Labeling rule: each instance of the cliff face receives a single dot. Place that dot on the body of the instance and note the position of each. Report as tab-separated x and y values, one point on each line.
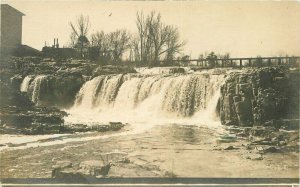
50	83
264	96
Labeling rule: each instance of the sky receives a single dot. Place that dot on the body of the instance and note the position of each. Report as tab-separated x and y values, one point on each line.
241	28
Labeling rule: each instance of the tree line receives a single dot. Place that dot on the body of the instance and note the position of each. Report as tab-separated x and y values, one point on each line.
154	41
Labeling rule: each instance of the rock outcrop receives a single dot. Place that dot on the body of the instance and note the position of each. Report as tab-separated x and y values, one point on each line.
90	168
55	82
31	120
264	96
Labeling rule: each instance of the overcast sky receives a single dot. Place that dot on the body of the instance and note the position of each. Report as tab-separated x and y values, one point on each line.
240	28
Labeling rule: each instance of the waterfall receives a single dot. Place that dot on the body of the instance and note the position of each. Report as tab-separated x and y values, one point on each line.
37	88
25	83
136	98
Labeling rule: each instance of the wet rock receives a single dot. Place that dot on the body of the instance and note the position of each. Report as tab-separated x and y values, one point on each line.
235	129
116	157
227	138
230	148
272	123
94	168
72	128
115	125
254	157
34	120
11	97
177	70
290	124
16	81
247	130
245	89
89	168
263	142
105	70
67	173
261	131
229	123
271	149
62	164
260	96
57	89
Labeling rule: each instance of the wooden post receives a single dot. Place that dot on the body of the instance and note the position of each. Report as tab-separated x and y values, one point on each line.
269	62
279	61
241	63
231	62
222	62
250	63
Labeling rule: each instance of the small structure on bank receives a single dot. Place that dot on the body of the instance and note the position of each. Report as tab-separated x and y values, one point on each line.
55	51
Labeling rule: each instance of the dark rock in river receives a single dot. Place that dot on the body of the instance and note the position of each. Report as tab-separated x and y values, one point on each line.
89	168
34	120
263	96
112	126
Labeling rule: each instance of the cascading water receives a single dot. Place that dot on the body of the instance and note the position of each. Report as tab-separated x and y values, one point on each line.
25	83
37	88
141	99
138	99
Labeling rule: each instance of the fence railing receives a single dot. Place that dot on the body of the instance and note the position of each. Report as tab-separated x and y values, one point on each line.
236	62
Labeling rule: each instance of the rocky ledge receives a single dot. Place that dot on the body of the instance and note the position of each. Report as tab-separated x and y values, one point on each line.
90	168
20	116
45	120
261	97
36	65
62	78
35	120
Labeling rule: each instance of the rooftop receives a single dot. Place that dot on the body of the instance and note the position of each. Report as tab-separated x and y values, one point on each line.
10	8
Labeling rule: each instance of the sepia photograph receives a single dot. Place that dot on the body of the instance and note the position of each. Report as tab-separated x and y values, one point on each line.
149	93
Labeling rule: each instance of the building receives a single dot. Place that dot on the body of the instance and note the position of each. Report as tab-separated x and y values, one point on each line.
11	28
56	52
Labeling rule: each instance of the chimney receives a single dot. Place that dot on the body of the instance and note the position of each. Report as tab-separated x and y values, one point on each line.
57	45
54	43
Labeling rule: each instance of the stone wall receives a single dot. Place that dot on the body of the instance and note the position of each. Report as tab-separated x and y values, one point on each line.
264	96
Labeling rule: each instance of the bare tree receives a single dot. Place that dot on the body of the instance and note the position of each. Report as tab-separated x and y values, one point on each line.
118	42
157	33
141	25
98	40
79	31
135	48
111	46
156	39
173	44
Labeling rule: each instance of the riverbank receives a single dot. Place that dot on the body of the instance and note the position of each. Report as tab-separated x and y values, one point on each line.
162	151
